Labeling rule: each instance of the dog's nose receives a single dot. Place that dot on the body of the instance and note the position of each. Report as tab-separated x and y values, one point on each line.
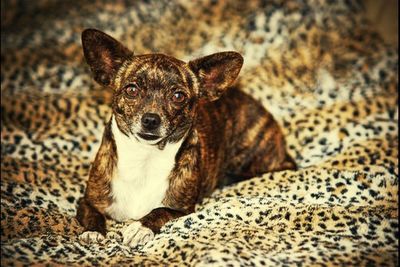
151	121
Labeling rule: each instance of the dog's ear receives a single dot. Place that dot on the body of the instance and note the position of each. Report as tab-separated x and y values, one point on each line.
104	54
216	73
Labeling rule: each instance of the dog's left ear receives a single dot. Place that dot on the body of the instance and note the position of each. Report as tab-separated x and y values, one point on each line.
216	73
104	54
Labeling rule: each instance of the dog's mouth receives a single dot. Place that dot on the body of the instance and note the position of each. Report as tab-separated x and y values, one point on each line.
148	137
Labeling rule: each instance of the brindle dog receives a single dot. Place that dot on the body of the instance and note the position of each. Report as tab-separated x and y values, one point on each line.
178	130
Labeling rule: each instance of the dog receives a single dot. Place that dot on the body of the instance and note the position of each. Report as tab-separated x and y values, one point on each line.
178	130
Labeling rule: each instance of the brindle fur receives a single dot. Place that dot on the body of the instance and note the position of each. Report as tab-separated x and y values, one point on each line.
227	134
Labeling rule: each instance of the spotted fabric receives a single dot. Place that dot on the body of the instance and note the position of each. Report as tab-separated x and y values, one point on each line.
317	66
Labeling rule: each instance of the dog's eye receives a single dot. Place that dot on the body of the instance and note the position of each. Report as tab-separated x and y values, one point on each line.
178	97
131	90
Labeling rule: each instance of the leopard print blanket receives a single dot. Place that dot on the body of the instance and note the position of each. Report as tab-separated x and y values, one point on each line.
316	65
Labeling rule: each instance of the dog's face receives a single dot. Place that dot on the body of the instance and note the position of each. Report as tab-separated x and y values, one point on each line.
155	96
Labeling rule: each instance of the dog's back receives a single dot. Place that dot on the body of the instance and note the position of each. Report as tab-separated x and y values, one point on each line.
239	139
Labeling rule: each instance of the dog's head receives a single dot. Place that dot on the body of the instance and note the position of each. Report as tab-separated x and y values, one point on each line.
155	96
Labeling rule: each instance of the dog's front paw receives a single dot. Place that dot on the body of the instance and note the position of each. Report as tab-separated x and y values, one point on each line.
137	235
91	237
113	236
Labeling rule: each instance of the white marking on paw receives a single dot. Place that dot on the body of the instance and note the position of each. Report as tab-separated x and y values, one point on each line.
91	237
326	80
137	235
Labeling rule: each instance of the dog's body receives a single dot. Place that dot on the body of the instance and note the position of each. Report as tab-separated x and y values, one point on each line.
174	136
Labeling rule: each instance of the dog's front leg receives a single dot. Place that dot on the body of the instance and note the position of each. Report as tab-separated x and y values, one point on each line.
158	217
140	232
92	221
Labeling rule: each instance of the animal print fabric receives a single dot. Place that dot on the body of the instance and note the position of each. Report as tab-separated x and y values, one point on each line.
317	66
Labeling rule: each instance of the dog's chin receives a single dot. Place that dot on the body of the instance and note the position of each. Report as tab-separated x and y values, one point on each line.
148	138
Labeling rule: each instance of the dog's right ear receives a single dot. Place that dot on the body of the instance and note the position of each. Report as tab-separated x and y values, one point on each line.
216	73
104	54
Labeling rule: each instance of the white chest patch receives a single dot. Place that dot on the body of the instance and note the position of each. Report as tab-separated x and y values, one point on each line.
140	181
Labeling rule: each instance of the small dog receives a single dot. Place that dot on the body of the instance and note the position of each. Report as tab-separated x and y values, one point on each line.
175	134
